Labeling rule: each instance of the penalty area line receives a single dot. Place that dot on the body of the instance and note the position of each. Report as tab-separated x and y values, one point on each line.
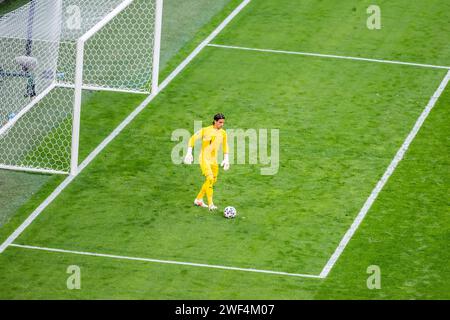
191	264
319	55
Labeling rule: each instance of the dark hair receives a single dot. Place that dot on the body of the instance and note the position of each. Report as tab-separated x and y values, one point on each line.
218	116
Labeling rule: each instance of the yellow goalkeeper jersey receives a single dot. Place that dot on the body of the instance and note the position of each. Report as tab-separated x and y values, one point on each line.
212	139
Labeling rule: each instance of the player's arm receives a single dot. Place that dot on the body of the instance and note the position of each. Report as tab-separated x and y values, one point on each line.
189	157
226	162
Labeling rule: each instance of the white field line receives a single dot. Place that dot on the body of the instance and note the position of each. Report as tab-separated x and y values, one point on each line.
27	108
166	261
206	42
36	213
389	171
329	56
18	168
119	129
95	88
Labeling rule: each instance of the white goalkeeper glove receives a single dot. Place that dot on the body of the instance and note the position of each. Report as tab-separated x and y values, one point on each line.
189	157
226	162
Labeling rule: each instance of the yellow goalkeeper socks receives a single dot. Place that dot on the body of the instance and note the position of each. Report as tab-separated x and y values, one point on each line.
202	192
207	189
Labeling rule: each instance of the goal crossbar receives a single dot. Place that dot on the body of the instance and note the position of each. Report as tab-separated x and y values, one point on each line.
105	20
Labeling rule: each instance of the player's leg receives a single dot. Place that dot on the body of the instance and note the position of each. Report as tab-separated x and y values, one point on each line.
199	199
211	180
215	171
202	193
206	170
208	188
209	183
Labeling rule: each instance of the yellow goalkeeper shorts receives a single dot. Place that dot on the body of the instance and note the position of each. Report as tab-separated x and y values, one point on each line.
209	169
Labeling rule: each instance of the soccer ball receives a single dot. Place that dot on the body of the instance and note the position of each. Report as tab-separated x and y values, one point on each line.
229	212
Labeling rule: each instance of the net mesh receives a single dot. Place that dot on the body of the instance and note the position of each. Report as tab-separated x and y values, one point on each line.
119	56
36	108
28	32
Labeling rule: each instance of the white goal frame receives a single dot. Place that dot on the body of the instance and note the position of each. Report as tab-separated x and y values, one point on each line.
79	72
78	86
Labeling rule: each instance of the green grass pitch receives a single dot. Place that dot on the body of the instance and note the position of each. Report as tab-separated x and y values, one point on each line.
340	121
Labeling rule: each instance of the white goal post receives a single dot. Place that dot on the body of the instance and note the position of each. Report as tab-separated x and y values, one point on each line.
52	54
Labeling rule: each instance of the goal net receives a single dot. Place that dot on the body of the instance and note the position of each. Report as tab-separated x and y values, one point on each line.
51	53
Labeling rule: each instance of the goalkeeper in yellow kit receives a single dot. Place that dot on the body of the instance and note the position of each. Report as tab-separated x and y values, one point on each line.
212	138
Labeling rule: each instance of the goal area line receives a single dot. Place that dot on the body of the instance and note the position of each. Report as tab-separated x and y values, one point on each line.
191	264
319	55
